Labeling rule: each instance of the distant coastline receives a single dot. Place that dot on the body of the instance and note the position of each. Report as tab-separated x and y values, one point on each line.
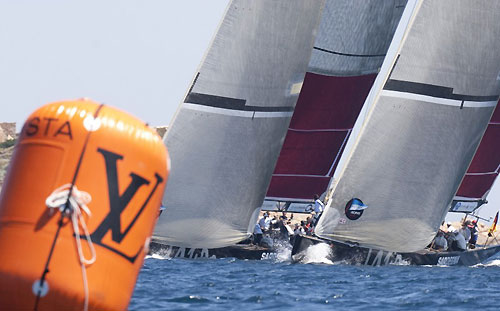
6	150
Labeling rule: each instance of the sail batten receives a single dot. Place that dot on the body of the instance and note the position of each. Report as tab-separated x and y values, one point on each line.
422	124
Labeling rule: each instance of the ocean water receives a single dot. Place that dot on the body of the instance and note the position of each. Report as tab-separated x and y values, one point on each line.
232	284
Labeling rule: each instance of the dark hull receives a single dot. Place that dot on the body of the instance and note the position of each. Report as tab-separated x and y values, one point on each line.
353	254
239	251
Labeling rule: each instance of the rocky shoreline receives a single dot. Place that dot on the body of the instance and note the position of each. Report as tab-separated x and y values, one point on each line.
5	155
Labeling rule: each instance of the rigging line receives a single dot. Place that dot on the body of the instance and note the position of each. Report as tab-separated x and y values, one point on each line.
348	54
66	208
339	152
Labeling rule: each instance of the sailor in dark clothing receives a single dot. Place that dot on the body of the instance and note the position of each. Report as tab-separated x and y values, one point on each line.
283	230
283	216
473	234
440	242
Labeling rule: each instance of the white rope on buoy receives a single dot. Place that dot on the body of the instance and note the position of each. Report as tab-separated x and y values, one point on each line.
77	203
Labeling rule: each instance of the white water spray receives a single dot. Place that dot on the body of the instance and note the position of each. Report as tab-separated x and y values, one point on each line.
318	253
157	256
283	251
492	263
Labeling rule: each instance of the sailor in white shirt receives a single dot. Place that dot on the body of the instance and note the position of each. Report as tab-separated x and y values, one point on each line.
318	208
318	205
257	234
265	222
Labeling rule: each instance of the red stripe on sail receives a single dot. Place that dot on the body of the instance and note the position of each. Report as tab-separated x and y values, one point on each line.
309	153
325	113
487	157
496	116
482	171
327	102
475	186
297	187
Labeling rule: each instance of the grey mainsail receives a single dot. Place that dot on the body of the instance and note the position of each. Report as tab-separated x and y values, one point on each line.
225	138
421	125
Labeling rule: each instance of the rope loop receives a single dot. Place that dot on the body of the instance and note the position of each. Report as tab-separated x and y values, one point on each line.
72	203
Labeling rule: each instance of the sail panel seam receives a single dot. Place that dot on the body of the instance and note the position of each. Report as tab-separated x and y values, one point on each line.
481	174
438	100
347	54
434	91
228	103
239	113
320	130
299	175
486	173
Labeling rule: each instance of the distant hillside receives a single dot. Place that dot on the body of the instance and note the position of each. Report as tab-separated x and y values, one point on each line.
5	155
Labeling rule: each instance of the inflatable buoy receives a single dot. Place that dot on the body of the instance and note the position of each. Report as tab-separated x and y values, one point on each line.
77	208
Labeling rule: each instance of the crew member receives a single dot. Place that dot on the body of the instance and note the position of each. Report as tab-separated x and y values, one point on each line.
440	242
257	234
473	234
318	208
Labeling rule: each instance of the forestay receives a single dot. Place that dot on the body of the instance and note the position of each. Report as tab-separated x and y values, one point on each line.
225	138
352	41
425	118
482	171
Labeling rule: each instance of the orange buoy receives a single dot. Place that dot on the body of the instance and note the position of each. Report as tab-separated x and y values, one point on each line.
77	208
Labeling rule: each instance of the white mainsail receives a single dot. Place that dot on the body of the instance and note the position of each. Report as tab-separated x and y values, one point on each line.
420	126
226	136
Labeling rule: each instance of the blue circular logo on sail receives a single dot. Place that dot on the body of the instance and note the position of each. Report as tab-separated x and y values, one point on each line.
354	208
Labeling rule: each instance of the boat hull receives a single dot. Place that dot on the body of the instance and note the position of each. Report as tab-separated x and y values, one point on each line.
353	254
239	251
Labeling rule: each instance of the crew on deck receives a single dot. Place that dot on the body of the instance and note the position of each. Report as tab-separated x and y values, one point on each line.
450	239
474	234
440	242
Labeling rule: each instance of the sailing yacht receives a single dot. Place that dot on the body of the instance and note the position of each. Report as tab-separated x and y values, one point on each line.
415	137
226	136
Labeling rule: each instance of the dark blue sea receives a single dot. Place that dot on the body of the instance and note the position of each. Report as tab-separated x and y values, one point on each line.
232	284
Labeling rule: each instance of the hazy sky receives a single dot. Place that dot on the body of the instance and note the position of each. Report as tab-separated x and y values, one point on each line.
139	56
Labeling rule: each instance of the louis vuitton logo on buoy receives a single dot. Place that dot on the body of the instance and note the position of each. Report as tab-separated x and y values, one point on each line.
119	202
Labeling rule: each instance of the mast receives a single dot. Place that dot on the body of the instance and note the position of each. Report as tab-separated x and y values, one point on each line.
419	128
226	136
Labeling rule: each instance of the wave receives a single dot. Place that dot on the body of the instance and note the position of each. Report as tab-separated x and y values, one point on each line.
157	256
492	263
